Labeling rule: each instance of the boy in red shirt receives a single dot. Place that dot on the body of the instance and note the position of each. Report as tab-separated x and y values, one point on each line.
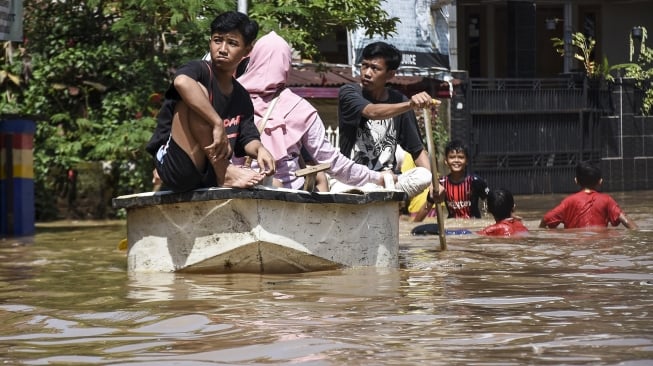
501	205
587	208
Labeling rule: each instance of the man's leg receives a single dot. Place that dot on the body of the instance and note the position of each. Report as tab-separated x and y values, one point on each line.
192	134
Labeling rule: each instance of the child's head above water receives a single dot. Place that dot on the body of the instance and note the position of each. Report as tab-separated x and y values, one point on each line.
455	157
500	203
455	146
588	175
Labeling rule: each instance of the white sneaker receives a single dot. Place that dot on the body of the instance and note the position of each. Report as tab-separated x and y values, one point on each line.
414	181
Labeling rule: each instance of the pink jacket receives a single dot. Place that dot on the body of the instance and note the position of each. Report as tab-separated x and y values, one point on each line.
293	122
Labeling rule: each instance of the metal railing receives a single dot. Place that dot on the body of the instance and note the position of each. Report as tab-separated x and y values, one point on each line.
526	95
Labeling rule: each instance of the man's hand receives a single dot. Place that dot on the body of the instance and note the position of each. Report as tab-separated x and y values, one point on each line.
265	161
422	100
220	149
390	176
438	197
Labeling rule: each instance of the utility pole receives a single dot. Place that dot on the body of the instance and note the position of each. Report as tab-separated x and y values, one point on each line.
242	6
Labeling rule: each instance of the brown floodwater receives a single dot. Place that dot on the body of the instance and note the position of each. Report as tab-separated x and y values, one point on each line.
555	297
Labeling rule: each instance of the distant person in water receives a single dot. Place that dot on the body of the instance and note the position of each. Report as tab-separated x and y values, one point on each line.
588	207
501	205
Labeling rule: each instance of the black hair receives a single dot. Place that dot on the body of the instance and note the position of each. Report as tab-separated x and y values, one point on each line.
587	174
455	145
388	52
233	20
500	203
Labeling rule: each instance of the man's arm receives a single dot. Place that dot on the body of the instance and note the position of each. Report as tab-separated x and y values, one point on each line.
196	97
193	94
376	111
265	160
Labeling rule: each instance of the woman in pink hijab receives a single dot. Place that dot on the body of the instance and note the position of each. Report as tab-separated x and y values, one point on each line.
292	122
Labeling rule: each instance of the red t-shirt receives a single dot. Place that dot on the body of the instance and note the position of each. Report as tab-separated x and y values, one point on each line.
584	209
505	227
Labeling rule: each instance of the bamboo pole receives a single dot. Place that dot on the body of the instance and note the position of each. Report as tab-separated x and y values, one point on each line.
435	176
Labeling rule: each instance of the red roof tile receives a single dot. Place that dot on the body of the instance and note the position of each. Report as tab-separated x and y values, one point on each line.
325	76
322	81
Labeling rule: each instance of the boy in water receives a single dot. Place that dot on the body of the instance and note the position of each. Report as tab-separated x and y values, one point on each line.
462	190
207	115
588	207
501	205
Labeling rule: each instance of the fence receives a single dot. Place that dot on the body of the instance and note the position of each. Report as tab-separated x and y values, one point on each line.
528	134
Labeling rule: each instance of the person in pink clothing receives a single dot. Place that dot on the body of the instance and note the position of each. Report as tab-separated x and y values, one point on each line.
501	205
292	122
587	208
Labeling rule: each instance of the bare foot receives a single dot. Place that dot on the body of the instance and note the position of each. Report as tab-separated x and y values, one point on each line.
239	177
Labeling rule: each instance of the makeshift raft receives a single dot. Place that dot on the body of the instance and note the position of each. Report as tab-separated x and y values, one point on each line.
260	230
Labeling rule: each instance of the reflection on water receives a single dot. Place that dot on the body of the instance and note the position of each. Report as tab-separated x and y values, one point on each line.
554	297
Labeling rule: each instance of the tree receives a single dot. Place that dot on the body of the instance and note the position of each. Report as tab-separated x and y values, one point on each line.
304	23
98	70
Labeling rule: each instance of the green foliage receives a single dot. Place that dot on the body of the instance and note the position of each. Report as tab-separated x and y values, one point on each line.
11	79
89	88
304	23
583	49
93	73
583	52
439	130
643	72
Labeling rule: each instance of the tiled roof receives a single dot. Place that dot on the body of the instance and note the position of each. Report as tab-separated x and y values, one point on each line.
322	81
316	75
311	75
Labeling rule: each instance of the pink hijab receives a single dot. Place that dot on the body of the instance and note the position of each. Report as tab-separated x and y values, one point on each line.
265	77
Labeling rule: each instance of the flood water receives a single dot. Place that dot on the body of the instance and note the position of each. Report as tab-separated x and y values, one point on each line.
553	298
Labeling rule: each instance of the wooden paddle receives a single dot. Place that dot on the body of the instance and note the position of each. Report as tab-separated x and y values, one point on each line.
435	176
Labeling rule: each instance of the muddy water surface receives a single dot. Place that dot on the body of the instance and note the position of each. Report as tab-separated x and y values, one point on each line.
553	298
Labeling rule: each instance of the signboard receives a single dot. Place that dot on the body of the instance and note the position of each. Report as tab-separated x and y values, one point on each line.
11	20
422	34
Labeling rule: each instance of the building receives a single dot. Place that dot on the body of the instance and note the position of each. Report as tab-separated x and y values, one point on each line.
512	38
527	113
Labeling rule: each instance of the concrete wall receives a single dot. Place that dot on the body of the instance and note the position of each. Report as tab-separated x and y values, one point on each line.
627	144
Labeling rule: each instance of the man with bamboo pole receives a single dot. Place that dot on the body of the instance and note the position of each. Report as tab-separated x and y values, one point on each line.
374	119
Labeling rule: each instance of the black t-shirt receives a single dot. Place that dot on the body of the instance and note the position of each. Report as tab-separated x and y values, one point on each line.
373	143
236	110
